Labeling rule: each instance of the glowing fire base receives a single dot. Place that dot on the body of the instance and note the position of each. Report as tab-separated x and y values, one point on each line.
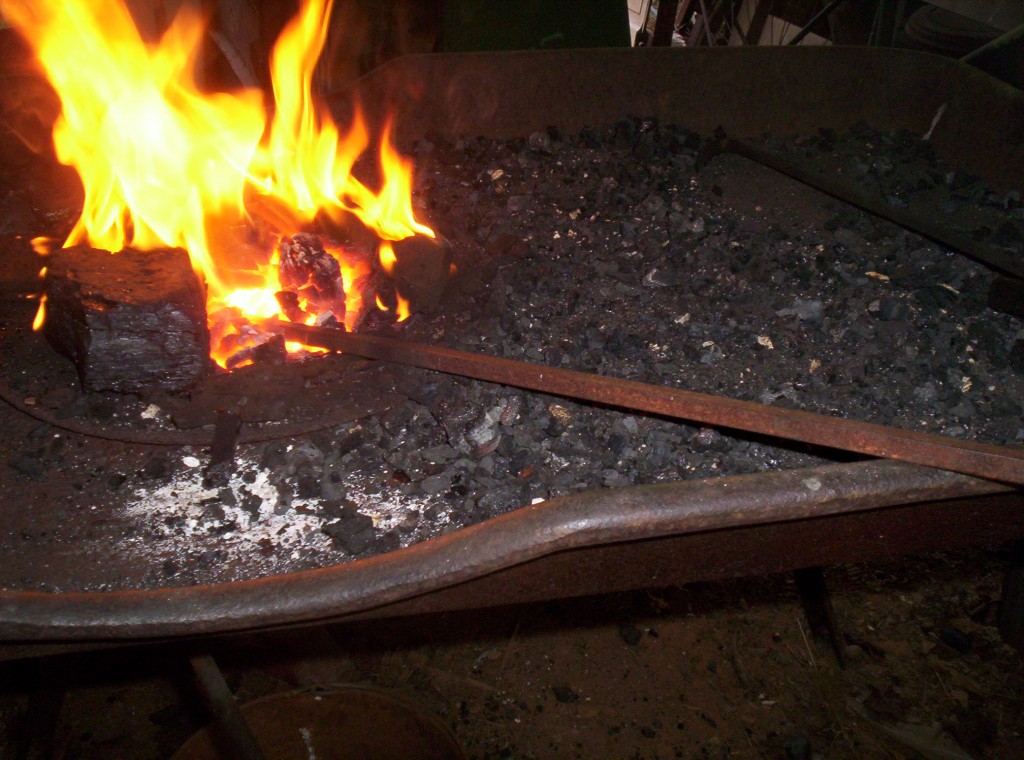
136	321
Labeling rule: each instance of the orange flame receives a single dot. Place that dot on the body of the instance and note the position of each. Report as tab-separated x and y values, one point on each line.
389	211
161	160
309	163
40	318
388	259
155	155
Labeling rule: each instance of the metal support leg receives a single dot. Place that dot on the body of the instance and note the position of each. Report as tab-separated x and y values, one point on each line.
1011	609
40	730
821	616
664	23
238	740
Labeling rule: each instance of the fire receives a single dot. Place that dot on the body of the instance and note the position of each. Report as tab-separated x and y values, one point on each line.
261	302
389	211
37	322
162	161
155	155
388	259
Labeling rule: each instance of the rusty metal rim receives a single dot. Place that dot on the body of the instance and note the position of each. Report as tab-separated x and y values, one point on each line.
745	90
584	520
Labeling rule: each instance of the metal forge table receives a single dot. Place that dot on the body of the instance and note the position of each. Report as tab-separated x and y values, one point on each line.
643	536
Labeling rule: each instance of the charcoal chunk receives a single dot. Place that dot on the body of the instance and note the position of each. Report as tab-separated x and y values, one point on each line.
130	321
352	531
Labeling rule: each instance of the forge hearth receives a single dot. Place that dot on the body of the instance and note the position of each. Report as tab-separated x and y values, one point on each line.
600	249
684	282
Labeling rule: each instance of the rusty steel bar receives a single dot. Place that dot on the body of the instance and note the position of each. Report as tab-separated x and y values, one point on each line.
999	463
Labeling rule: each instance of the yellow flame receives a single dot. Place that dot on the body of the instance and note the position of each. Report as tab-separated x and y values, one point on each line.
303	154
388	260
161	160
155	155
309	161
386	253
388	211
37	323
402	311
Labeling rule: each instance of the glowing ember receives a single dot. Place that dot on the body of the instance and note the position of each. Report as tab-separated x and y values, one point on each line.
162	162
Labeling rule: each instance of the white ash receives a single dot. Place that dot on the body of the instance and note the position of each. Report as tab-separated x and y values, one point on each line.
184	510
206	511
390	509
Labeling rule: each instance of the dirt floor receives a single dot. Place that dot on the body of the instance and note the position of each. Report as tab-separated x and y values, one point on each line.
712	670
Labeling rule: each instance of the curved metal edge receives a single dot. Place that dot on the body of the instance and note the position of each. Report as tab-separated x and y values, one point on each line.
588	519
746	90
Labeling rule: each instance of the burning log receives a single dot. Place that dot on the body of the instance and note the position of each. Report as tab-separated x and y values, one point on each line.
129	321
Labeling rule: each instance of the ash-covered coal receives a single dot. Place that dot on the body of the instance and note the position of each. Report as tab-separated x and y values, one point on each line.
602	252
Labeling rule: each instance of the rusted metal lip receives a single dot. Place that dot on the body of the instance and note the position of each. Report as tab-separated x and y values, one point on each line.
584	520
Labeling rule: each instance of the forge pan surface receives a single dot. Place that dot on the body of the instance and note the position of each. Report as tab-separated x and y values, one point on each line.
652	268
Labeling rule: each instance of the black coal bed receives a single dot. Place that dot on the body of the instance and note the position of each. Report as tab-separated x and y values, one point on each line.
584	237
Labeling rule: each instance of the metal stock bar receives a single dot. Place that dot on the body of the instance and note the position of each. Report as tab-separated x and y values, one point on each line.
981	460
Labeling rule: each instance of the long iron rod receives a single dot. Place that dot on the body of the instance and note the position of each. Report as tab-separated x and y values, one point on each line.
982	460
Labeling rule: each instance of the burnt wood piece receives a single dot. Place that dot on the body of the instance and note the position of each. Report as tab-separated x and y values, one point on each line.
129	321
267	349
421	270
222	449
